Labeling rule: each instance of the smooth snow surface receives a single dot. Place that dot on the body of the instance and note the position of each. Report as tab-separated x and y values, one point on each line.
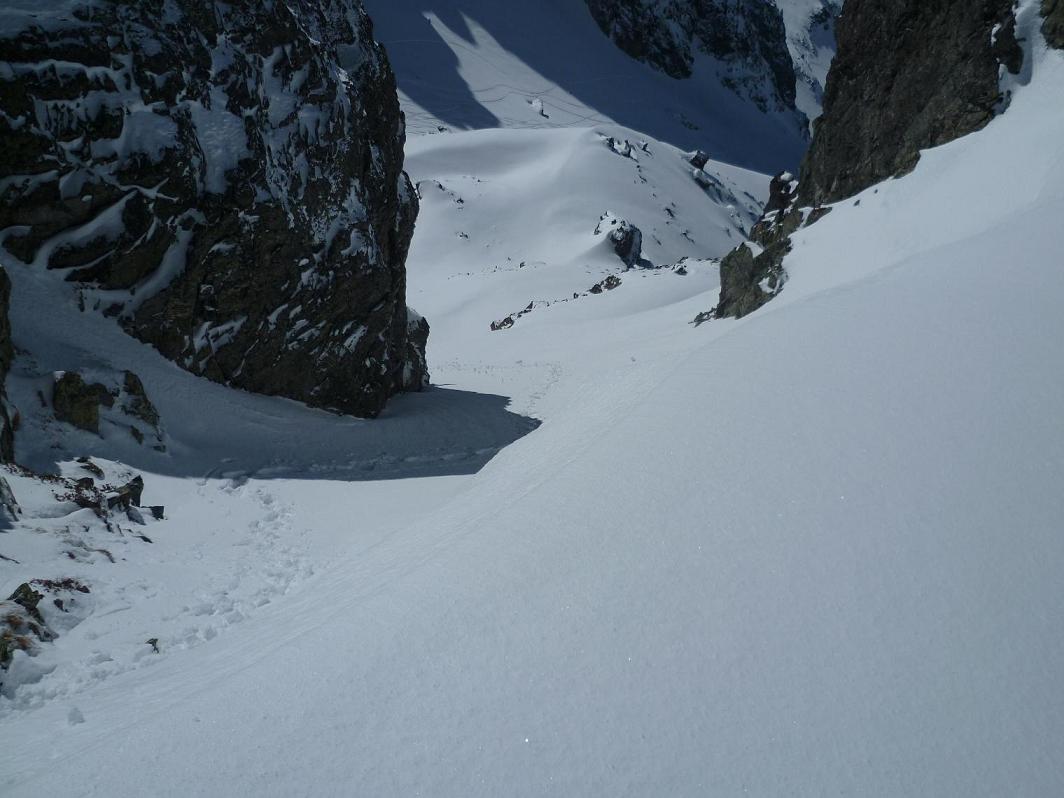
814	552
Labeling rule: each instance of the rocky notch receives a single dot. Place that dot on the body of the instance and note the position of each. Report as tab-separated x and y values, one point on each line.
908	75
226	179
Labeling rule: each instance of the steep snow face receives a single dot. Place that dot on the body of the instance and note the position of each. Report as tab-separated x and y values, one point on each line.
227	180
473	64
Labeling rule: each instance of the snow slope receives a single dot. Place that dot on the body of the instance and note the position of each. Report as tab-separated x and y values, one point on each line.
815	551
474	64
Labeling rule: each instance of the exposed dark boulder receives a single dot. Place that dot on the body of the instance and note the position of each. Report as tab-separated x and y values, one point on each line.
627	243
625	238
137	403
908	75
698	159
749	277
236	170
77	402
120	400
611	282
752	273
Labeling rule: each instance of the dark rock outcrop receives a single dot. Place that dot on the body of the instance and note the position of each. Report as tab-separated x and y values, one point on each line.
121	400
224	178
24	621
611	282
908	75
1053	25
137	403
627	243
77	402
752	273
625	238
746	37
7	354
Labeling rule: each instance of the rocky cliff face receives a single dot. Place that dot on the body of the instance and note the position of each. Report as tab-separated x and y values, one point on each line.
225	179
908	75
7	352
1053	27
747	38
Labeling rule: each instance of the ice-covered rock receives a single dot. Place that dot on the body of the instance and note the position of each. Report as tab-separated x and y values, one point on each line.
226	179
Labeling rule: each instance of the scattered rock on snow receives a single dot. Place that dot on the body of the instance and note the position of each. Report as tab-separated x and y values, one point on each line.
608	284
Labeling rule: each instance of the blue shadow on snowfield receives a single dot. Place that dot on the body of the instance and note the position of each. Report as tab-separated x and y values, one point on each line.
438	432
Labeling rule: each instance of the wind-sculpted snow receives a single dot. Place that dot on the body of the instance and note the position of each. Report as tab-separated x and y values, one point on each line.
225	179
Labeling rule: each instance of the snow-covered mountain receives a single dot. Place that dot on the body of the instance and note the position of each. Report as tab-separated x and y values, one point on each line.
715	76
813	550
733	79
